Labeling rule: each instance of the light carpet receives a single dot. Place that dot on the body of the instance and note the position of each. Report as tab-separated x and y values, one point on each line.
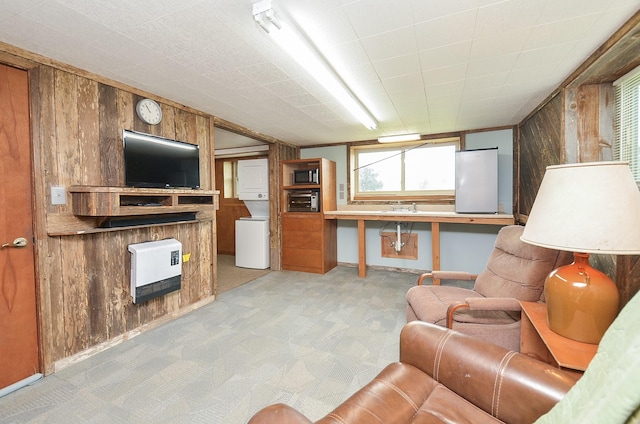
304	339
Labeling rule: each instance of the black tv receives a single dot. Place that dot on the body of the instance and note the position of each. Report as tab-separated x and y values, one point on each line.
157	162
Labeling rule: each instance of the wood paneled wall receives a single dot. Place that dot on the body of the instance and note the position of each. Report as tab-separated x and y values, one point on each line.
539	145
84	295
576	125
277	154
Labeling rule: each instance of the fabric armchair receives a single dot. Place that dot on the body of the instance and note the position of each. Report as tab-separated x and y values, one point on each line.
515	272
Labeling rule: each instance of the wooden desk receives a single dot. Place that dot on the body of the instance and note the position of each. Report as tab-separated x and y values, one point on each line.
537	340
435	218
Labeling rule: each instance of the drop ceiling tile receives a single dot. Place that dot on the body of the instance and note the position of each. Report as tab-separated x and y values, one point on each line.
324	25
551	54
378	16
438	33
447	103
347	54
499	43
454	88
397	66
402	83
490	81
24	32
569	9
285	88
301	100
399	42
452	54
445	74
560	32
118	15
430	10
491	65
508	15
527	76
264	73
232	79
413	96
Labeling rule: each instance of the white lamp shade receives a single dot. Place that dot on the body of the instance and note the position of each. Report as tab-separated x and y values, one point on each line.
586	207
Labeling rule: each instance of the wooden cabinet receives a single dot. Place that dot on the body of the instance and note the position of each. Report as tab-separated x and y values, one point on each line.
309	241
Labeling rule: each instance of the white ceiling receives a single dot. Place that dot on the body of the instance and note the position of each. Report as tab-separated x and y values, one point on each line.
426	66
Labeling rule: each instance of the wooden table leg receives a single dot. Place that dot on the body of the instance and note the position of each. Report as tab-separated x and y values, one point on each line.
435	249
362	250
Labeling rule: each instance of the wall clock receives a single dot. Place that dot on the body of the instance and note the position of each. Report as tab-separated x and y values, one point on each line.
149	111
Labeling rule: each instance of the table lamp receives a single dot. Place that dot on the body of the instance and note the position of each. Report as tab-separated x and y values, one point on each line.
584	208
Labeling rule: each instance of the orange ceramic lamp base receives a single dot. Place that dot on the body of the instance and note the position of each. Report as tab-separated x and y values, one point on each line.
581	301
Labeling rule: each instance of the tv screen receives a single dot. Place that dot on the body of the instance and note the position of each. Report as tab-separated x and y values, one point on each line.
152	161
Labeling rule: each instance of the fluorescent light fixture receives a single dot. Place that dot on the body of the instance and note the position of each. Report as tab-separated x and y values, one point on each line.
399	138
161	140
301	49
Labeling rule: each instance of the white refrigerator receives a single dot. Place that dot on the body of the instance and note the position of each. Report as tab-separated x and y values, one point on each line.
477	181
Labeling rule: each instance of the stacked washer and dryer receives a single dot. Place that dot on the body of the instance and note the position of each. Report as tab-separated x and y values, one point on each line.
252	232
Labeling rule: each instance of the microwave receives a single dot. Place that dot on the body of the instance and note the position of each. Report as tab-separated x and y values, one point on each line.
303	201
306	176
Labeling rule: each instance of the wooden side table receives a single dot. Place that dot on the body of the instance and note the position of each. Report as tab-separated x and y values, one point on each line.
537	340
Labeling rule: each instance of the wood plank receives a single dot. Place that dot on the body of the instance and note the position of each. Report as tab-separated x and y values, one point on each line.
435	249
51	319
110	138
566	353
97	288
88	129
362	249
540	145
588	131
409	249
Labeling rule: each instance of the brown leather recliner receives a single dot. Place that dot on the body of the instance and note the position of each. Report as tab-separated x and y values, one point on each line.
446	376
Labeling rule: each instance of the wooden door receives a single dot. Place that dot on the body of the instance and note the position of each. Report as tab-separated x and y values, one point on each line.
18	325
230	208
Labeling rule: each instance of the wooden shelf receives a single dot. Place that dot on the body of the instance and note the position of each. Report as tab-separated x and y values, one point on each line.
539	341
127	201
92	205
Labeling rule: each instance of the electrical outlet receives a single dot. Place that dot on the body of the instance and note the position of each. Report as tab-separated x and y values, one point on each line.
58	196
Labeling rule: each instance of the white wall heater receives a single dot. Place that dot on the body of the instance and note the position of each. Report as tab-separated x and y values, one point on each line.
156	269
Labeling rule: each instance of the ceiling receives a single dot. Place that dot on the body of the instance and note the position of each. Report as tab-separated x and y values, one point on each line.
419	66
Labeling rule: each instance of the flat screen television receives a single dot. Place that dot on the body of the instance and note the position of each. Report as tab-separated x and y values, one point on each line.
157	162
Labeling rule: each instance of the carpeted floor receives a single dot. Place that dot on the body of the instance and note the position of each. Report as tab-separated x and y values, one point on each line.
307	340
230	276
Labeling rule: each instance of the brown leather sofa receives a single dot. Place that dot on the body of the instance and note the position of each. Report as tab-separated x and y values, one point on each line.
445	376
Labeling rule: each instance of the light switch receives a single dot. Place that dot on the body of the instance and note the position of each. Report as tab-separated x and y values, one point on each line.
58	196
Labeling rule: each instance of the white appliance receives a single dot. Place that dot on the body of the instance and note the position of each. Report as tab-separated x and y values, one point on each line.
156	269
253	179
477	181
252	233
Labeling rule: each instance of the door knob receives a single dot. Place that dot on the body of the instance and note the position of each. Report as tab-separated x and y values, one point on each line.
19	242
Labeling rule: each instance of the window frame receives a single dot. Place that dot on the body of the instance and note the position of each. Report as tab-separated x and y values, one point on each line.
426	196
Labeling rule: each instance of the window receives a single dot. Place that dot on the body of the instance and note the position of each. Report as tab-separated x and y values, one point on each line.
627	115
404	171
230	177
